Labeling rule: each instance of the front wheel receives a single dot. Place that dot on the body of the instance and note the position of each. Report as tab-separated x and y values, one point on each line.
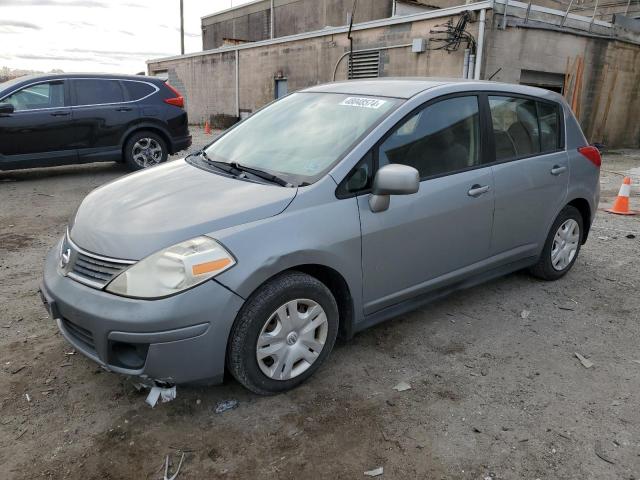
283	334
145	149
562	245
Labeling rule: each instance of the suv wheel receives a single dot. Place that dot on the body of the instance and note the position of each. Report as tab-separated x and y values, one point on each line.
562	246
145	149
282	334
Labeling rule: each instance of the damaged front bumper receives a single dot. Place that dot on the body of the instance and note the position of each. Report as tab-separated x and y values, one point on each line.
175	340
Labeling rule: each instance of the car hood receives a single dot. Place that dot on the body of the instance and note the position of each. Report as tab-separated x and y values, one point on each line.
139	214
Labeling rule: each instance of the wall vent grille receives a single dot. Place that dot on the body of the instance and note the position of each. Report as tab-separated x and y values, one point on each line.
365	65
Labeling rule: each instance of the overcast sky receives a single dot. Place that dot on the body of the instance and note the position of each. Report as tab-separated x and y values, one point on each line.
98	35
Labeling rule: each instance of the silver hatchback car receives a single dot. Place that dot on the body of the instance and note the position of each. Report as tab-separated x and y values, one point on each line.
324	213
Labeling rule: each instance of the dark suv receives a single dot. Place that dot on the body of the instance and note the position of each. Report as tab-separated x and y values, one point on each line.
60	119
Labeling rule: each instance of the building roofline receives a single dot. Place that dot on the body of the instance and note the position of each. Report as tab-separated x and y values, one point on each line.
442	12
227	10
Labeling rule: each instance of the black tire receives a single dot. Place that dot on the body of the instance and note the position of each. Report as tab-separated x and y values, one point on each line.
544	269
130	149
241	350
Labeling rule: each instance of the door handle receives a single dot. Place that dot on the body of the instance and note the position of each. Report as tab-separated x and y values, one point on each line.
477	190
123	109
60	114
558	170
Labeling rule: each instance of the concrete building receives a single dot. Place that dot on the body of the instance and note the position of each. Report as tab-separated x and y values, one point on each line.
247	60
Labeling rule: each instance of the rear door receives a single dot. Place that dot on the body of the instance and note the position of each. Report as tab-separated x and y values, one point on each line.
39	131
101	117
531	172
432	236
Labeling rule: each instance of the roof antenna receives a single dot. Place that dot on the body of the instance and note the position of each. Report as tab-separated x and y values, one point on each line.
353	14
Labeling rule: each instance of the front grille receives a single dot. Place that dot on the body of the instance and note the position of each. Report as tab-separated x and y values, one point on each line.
82	335
90	269
94	270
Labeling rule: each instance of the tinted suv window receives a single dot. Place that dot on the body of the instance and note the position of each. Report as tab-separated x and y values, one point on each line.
515	127
95	92
442	138
138	90
549	119
42	95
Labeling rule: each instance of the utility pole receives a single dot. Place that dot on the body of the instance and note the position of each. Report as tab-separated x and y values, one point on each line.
182	27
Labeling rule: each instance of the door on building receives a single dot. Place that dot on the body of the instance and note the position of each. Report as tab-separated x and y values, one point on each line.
548	80
424	238
281	87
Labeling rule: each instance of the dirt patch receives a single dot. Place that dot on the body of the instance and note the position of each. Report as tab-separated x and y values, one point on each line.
493	394
13	242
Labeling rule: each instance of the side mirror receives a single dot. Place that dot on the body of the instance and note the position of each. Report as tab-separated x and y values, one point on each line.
393	179
6	108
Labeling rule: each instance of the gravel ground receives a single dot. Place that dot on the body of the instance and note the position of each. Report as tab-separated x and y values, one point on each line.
495	392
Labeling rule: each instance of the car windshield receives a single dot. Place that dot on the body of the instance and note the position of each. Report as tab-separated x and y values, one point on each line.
302	136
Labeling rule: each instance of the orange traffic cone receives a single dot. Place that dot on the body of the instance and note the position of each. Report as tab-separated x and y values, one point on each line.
207	128
621	205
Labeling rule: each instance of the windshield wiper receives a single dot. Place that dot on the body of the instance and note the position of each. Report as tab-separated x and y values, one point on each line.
224	166
261	174
235	169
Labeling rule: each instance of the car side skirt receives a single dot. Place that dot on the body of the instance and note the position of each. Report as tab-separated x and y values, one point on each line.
428	297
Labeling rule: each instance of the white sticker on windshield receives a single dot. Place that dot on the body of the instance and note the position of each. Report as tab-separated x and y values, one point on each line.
363	102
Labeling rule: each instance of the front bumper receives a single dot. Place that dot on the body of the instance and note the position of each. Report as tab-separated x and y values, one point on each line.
179	339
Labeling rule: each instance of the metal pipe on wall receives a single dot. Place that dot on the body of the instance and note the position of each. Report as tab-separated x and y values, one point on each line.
564	19
593	17
465	63
480	47
503	24
472	66
273	19
237	83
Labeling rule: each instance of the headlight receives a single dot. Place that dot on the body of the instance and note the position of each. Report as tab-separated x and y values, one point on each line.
173	269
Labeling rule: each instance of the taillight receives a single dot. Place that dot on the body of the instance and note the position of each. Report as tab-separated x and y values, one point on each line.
178	100
592	154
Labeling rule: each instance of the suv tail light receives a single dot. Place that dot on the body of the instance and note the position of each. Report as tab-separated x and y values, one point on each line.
592	154
178	100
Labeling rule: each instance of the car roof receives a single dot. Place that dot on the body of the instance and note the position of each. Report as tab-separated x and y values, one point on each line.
407	87
61	76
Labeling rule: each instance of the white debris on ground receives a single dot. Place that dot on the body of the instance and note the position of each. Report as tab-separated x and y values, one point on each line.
165	394
226	405
586	363
402	386
376	472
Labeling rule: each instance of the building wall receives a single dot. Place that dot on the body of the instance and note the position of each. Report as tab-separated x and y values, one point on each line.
609	99
252	23
208	80
610	96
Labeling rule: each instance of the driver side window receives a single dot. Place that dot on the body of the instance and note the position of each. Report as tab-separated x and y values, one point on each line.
439	139
41	95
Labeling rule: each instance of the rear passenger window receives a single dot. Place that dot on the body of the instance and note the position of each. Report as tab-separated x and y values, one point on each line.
549	118
96	92
137	90
442	138
515	127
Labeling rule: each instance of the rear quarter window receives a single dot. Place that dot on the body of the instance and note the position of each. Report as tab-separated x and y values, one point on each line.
137	90
97	91
550	131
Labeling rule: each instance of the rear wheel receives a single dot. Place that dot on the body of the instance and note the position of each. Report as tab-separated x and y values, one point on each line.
562	245
145	149
283	334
